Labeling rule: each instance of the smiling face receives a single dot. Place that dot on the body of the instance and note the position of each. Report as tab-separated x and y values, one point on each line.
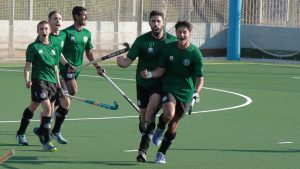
82	18
183	34
157	25
55	22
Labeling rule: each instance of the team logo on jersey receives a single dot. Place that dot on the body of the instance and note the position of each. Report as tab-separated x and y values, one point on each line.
85	39
150	50
53	52
186	62
43	95
73	38
62	44
40	51
171	58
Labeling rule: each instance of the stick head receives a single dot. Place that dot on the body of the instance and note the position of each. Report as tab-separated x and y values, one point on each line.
116	105
127	46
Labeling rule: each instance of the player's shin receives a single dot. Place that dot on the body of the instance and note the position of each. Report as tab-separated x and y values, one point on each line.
167	141
27	116
60	115
45	127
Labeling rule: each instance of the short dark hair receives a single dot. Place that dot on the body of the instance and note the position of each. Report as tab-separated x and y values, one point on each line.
52	13
185	24
156	13
41	23
77	10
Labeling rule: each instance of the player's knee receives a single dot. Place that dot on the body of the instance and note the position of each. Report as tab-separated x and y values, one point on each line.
27	114
169	136
72	91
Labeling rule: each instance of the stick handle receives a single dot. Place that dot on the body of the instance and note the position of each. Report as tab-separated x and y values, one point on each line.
127	98
116	53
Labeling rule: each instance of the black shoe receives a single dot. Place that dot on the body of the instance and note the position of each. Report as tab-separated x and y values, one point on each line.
141	157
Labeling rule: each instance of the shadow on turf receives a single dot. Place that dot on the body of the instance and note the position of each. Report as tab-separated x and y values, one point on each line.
34	160
243	151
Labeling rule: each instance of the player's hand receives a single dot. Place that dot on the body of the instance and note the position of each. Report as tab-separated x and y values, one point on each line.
146	74
28	84
100	71
60	93
196	97
70	68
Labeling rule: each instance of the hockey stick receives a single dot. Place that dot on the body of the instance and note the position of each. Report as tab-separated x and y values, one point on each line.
115	105
127	98
191	106
116	53
7	155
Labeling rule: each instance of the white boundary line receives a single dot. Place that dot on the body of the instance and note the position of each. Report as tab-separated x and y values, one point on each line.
296	77
248	101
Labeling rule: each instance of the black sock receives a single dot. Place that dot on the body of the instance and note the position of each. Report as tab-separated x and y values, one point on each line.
27	116
45	128
161	123
145	140
60	116
166	143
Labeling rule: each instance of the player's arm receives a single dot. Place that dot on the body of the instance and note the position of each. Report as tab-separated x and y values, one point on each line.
71	68
157	72
124	61
90	56
199	84
28	82
57	76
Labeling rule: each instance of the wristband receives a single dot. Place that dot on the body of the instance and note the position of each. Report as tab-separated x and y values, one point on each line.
149	75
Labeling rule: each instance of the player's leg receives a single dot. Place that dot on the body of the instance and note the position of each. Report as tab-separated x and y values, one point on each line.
72	86
148	125
168	104
170	134
45	125
27	116
142	101
60	115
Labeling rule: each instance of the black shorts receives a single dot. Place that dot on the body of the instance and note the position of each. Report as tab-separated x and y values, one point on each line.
143	93
67	76
42	90
180	107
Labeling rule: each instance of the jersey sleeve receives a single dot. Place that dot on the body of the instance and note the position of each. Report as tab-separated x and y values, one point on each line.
89	44
134	51
198	66
30	52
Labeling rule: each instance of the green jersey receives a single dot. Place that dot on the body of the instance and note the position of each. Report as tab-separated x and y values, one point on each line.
43	58
147	48
59	40
182	66
75	45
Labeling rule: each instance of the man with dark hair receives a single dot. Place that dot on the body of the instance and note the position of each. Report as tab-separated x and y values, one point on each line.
77	41
147	48
181	64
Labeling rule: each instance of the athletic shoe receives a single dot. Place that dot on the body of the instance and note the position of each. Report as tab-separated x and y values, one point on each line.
160	158
49	147
141	157
21	139
59	138
157	136
37	133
